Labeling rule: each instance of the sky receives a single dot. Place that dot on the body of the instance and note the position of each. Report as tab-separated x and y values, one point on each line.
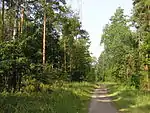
95	15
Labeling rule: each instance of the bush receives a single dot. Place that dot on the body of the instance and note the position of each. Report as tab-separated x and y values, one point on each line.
32	85
13	65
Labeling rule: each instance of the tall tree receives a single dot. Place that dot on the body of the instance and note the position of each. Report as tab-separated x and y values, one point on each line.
3	19
141	19
44	35
118	45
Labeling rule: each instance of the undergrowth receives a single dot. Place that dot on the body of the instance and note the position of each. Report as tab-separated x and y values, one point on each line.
129	100
67	98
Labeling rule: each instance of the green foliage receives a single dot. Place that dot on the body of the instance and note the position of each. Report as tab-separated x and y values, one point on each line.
67	44
115	61
141	22
126	52
70	98
13	65
128	99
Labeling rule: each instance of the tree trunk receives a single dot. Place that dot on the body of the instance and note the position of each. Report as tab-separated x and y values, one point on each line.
147	67
65	67
22	20
15	21
70	62
44	38
3	9
15	28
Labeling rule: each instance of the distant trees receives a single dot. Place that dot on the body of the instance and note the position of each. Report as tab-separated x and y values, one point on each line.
117	47
126	52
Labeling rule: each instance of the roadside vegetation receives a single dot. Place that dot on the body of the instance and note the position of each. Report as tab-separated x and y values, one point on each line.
126	58
129	99
44	58
65	97
46	65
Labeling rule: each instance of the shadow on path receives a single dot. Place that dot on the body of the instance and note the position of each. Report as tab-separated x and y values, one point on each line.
101	102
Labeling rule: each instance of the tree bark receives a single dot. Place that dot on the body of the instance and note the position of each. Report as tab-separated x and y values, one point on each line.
15	22
44	38
3	11
15	28
65	56
22	20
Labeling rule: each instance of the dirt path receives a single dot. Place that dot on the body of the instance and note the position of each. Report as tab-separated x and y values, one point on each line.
100	102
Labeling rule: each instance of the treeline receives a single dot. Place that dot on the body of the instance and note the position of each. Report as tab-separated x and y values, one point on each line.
41	41
126	55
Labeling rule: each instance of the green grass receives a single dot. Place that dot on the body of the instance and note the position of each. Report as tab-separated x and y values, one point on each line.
69	98
129	100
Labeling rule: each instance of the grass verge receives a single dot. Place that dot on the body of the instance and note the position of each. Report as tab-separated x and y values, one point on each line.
69	98
129	100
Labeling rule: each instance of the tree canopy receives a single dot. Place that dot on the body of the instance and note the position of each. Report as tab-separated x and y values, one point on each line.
36	29
126	52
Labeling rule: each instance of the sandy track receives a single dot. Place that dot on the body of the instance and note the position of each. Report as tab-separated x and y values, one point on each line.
100	102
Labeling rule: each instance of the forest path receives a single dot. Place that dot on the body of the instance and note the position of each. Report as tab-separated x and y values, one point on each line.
100	102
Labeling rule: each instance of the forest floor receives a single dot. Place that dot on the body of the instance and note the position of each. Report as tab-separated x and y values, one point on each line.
75	98
128	99
101	102
67	98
